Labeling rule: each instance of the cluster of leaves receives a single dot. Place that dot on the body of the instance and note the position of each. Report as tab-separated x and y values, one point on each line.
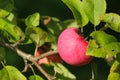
102	44
12	33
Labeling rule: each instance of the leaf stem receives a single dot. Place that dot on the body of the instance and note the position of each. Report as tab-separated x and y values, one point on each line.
104	28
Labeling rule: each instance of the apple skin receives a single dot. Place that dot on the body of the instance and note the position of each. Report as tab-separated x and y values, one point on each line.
72	47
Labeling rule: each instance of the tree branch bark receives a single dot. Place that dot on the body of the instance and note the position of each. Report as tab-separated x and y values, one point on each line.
31	58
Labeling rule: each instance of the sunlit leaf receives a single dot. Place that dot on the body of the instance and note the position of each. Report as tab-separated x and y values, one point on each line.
94	9
77	10
35	77
3	13
102	38
12	18
113	21
103	45
11	73
33	20
12	31
114	71
94	50
62	73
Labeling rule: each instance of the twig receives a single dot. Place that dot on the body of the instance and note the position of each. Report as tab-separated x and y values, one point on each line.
29	57
46	54
104	28
19	42
43	71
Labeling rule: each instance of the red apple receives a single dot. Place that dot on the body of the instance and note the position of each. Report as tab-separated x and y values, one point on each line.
72	47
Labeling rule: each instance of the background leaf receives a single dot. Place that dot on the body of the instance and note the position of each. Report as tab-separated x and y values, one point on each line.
113	21
62	73
35	77
53	25
71	23
6	6
11	73
2	53
78	12
94	9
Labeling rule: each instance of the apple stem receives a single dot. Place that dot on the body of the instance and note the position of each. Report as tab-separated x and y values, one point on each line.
81	30
94	28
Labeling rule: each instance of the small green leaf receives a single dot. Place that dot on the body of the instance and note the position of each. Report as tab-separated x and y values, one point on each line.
39	36
62	73
12	32
113	21
35	77
12	18
77	10
94	9
114	71
11	73
33	20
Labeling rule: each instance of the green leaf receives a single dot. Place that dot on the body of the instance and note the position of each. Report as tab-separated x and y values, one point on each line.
62	73
106	51
54	25
94	9
12	18
71	23
114	71
35	77
94	50
102	38
7	5
114	76
11	73
103	45
39	36
2	53
3	13
33	20
12	32
113	21
77	10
